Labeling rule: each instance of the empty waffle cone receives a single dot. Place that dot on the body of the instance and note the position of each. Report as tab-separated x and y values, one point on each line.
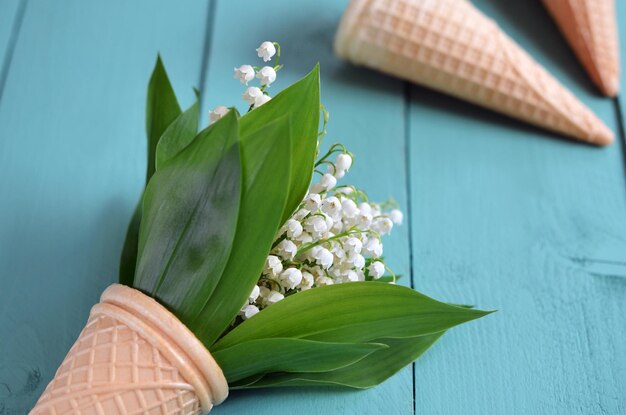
450	46
134	357
590	28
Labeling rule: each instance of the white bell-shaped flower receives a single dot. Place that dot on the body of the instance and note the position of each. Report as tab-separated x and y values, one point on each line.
324	257
251	95
248	311
376	269
294	228
256	291
307	281
312	202
326	182
273	297
286	249
321	281
260	100
332	207
245	74
315	225
349	208
267	75
217	113
291	277
343	162
373	247
273	266
353	245
382	225
396	216
266	51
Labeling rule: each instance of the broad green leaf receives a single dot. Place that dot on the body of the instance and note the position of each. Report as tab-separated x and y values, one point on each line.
289	355
190	210
266	169
366	373
302	102
128	260
353	313
161	110
178	134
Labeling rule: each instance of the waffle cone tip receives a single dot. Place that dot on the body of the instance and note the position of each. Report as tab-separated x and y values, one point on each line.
452	47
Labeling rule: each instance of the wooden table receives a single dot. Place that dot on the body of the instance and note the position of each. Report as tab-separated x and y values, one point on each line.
503	215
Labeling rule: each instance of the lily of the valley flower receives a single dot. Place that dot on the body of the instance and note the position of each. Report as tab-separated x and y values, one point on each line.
252	94
248	311
267	75
260	100
376	269
266	51
291	277
327	182
396	216
217	113
245	74
273	266
343	162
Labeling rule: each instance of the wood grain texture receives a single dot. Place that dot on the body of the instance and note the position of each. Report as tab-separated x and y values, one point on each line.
510	217
11	13
620	8
8	14
366	114
72	162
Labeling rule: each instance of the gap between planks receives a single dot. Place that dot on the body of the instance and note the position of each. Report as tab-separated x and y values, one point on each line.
13	37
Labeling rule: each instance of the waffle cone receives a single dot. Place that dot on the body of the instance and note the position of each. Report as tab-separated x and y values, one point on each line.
450	46
590	28
134	357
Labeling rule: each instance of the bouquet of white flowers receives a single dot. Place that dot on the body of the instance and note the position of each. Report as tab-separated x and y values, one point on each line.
238	273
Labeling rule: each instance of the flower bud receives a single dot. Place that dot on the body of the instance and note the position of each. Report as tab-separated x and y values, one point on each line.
343	162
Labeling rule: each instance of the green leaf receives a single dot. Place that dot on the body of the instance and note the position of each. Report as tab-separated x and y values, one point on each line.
354	312
289	355
302	102
128	261
161	110
178	134
266	171
366	373
190	210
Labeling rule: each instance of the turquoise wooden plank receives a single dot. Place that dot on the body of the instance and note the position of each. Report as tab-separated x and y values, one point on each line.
11	12
510	217
620	8
8	14
72	151
366	114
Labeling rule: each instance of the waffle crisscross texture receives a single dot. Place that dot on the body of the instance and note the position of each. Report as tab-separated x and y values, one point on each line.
134	357
450	46
590	27
111	369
